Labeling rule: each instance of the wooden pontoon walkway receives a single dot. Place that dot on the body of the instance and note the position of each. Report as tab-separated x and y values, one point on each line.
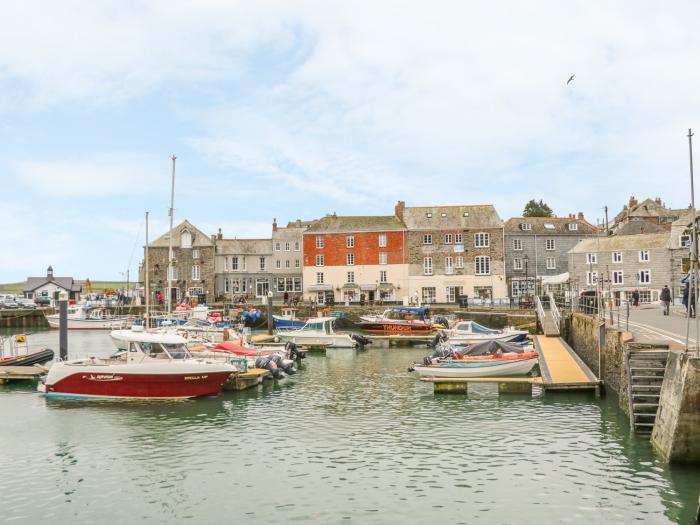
14	373
561	368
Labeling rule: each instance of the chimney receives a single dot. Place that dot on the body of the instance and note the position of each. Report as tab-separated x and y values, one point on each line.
49	273
298	223
580	216
399	209
274	225
633	202
219	235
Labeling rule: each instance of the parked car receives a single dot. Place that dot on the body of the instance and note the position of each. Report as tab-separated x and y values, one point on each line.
26	303
42	301
9	303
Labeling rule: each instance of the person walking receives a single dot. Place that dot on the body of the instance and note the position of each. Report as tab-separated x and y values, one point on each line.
286	298
666	298
635	298
686	293
691	301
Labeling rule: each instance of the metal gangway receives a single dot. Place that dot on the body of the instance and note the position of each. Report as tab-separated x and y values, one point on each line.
550	318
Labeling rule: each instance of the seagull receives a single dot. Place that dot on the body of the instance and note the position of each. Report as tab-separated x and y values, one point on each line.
570	79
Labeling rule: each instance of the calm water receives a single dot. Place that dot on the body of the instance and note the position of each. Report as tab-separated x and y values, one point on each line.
352	438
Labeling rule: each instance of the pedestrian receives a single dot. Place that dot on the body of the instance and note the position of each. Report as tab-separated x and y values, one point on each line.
635	298
286	298
415	299
362	299
666	298
686	292
691	301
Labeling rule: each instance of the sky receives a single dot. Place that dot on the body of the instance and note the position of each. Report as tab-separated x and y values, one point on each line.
295	109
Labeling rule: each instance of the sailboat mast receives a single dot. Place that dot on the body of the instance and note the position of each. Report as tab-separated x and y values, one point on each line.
147	277
170	240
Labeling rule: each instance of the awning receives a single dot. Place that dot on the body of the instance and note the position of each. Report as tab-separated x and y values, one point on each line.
556	279
349	285
320	288
386	286
368	287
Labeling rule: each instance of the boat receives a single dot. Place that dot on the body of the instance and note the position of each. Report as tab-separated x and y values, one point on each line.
155	366
318	331
287	320
14	351
82	317
398	320
470	332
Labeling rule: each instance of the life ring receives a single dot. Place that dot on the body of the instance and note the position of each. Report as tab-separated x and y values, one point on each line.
20	339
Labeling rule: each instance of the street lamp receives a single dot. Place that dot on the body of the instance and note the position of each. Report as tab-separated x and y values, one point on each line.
527	281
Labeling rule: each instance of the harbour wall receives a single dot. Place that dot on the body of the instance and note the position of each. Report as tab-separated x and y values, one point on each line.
31	319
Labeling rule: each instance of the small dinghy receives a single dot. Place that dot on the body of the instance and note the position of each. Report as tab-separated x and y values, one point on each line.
14	351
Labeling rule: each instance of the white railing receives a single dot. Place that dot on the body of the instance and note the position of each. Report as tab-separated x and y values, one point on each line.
540	309
556	315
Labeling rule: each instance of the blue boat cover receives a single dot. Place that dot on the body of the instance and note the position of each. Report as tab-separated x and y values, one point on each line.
411	310
478	329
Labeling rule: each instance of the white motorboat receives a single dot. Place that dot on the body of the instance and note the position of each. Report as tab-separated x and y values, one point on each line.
478	368
89	318
469	332
155	366
318	331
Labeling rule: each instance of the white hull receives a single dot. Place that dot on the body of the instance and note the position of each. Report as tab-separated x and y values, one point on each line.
87	324
470	339
519	367
310	339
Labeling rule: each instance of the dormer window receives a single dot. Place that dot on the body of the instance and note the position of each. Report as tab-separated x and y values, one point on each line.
185	239
465	214
429	215
573	227
525	226
548	226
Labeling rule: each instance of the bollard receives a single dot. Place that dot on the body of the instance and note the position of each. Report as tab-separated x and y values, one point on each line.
269	313
63	329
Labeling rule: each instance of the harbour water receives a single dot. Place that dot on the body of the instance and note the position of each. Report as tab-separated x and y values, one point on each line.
352	438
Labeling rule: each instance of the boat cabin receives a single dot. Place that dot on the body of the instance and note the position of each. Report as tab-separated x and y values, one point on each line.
159	350
407	313
319	324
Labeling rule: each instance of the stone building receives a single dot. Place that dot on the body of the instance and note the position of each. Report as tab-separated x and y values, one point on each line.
51	287
453	251
538	247
618	265
287	258
193	268
651	211
243	268
348	258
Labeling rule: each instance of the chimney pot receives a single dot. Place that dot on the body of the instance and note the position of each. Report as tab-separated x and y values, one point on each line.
399	210
580	215
274	225
219	235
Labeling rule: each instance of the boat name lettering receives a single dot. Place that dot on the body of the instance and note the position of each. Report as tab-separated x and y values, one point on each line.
194	378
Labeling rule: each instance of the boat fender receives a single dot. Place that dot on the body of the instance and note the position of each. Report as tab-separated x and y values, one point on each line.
20	338
427	361
459	355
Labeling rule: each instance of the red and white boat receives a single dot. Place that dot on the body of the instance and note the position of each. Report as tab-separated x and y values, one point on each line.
157	366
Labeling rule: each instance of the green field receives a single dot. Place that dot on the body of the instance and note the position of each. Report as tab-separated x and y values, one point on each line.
97	286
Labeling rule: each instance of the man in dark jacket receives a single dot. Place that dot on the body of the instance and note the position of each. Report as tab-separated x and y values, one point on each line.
666	298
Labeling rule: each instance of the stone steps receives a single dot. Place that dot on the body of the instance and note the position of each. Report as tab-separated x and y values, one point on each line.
646	375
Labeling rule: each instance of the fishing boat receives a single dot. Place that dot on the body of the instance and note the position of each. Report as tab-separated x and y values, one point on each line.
15	351
82	317
318	331
156	366
287	320
398	320
470	332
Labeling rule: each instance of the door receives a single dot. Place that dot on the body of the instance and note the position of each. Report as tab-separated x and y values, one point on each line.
370	296
262	286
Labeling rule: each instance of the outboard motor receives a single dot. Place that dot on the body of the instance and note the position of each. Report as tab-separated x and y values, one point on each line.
293	351
443	352
361	340
441	320
288	368
267	364
427	360
440	337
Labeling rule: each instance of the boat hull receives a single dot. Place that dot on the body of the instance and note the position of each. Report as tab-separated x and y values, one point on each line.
86	324
395	328
280	322
519	367
470	339
35	358
333	341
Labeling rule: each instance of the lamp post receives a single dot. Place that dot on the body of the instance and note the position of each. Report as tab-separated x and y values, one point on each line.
527	280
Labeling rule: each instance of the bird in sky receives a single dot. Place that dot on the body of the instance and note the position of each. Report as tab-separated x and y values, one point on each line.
570	79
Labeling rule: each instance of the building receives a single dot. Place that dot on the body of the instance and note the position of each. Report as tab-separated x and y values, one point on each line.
243	268
652	211
453	251
193	265
537	248
351	258
51	287
287	258
616	266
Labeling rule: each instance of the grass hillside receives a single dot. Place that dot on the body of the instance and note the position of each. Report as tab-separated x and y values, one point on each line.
97	286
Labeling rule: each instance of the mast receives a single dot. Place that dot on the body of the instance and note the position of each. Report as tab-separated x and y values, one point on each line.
170	240
694	257
147	277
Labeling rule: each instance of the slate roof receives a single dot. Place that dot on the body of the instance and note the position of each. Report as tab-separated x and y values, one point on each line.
199	238
561	226
336	224
245	247
642	241
67	283
639	227
451	217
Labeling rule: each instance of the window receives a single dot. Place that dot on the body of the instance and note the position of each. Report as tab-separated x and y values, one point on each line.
319	260
549	244
517	264
517	244
429	215
482	265
195	254
195	272
591	278
350	259
451	293
321	297
443	215
644	256
428	294
382	276
296	246
226	264
549	226
287	263
195	292
449	268
351	277
525	226
458	238
427	266
173	273
573	227
645	276
551	263
350	241
591	258
685	241
297	284
459	262
280	285
234	263
235	285
185	239
448	238
277	246
287	246
482	240
618	277
427	239
278	264
297	263
290	284
382	240
262	264
227	286
319	277
319	241
382	258
617	257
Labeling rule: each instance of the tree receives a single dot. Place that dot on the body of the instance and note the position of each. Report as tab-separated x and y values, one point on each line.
537	209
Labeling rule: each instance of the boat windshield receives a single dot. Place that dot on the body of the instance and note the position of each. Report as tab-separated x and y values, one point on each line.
165	351
313	326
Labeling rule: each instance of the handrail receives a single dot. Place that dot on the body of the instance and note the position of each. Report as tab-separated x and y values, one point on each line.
540	309
556	315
